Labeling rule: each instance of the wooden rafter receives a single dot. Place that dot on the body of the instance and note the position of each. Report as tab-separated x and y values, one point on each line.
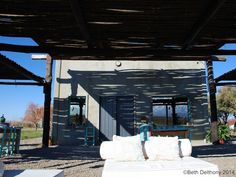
228	76
21	83
226	83
81	23
55	51
125	29
20	70
202	22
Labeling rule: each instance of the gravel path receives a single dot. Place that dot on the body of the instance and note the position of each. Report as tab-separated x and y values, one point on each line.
222	155
85	161
80	161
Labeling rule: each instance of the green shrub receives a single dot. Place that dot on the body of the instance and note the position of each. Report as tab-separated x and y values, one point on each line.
223	133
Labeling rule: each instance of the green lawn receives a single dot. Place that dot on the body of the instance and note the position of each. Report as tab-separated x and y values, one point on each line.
28	133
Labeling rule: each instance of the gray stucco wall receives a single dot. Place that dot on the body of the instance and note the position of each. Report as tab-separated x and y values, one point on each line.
142	79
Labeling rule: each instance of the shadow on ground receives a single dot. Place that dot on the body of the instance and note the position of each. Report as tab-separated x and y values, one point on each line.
226	150
89	155
57	153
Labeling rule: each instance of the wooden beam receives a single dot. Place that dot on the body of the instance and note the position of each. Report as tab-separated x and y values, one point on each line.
203	20
228	76
81	23
218	58
69	51
226	83
38	32
20	70
21	83
47	102
22	48
213	107
139	58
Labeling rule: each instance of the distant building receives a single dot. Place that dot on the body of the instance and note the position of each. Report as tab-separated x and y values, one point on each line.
114	96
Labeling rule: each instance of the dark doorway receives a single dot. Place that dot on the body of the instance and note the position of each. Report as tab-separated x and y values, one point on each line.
116	116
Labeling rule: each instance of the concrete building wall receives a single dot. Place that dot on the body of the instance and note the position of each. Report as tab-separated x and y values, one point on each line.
141	79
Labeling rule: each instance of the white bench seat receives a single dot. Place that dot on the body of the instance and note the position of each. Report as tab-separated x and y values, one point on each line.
187	166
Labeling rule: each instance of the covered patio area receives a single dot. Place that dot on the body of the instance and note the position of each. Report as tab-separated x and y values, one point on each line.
121	30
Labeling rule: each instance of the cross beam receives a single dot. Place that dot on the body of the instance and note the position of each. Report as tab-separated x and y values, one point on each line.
21	83
20	70
78	15
226	83
68	51
202	22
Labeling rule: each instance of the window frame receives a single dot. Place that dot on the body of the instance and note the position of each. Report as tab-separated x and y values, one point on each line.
69	122
168	101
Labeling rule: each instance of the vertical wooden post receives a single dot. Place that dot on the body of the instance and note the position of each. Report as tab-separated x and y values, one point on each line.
47	101
213	108
173	106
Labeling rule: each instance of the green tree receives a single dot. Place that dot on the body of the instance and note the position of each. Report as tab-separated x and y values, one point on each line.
226	102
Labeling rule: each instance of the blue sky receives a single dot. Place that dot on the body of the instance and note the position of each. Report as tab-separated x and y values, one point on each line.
15	99
222	67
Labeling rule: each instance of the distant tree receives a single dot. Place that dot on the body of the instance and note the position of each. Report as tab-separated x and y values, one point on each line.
34	114
226	102
16	123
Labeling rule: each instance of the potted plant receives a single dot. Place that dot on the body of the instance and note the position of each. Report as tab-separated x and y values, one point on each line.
223	133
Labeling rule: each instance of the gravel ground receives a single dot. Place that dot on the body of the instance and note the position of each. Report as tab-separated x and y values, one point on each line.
85	161
80	161
222	155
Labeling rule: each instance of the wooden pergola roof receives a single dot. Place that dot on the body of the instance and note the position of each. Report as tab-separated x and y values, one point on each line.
228	78
9	70
121	29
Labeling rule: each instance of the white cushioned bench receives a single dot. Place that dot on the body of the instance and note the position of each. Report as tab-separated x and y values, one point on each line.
186	166
180	167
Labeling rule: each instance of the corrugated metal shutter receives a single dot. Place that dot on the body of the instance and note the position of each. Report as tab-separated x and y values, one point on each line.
125	115
116	116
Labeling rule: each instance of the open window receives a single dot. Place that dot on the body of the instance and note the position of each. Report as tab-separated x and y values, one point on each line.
77	110
171	111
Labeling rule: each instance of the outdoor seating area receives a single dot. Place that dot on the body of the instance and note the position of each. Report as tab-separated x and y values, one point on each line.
86	161
127	88
159	156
